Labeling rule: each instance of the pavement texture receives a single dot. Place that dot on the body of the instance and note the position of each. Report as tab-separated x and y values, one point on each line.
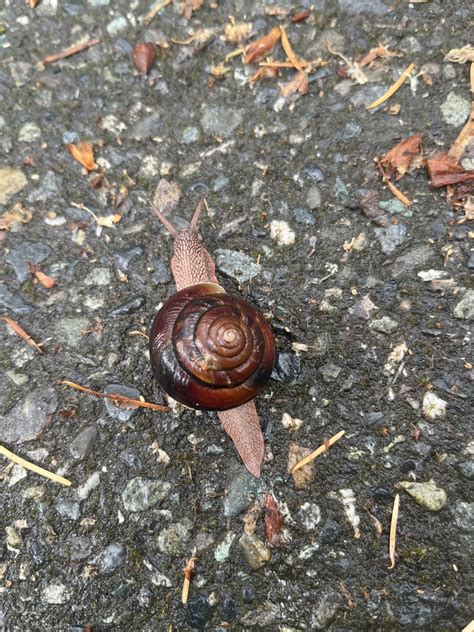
370	301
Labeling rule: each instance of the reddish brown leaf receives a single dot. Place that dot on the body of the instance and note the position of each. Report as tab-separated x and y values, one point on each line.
260	48
83	152
273	522
298	84
444	170
243	427
405	156
45	280
265	72
144	56
300	16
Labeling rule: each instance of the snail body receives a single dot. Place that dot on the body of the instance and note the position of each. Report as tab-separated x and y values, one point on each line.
210	350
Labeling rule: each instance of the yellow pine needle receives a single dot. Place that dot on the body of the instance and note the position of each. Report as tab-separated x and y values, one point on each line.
393	531
34	468
393	88
321	450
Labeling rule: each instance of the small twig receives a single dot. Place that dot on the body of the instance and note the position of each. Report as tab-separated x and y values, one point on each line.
396	192
34	468
22	333
188	573
321	450
139	333
121	399
393	88
156	9
393	531
72	50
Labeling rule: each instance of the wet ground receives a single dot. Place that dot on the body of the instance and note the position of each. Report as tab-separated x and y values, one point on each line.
370	304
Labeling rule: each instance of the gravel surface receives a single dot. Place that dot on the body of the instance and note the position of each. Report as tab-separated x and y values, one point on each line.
370	304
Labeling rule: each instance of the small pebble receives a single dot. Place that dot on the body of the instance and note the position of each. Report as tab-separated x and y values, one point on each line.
256	553
427	495
117	411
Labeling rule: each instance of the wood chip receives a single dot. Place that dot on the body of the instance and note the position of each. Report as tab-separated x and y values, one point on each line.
393	531
21	332
321	450
460	55
391	91
121	399
34	468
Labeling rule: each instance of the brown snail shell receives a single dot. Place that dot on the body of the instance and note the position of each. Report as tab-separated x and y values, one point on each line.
210	350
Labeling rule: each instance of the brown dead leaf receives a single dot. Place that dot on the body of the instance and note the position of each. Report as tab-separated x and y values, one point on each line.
273	522
260	48
404	157
33	3
375	53
444	170
189	6
45	280
144	56
298	84
17	215
83	152
237	33
300	16
303	477
167	195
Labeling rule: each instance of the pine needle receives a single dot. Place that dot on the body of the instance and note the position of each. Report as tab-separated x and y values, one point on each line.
393	531
21	332
396	192
321	450
393	88
34	468
285	42
121	399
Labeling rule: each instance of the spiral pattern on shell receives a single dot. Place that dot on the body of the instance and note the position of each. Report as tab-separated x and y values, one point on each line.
210	350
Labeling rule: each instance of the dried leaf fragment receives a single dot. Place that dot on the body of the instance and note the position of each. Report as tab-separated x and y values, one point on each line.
83	152
460	55
444	170
144	56
17	215
404	157
298	84
260	48
237	33
273	522
189	6
45	280
375	53
265	72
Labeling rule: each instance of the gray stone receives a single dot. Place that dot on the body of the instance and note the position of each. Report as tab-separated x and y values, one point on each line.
221	121
427	495
455	109
391	236
310	515
416	257
68	509
98	276
463	514
384	325
71	330
203	542
190	135
56	593
467	469
82	445
395	207
376	7
29	133
111	558
28	418
79	547
117	25
13	302
147	127
330	372
264	615
326	608
237	265
172	540
465	308
302	216
256	553
117	411
241	491
12	181
220	183
24	253
141	494
161	274
50	186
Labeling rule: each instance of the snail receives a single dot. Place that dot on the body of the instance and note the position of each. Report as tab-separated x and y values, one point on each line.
210	350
